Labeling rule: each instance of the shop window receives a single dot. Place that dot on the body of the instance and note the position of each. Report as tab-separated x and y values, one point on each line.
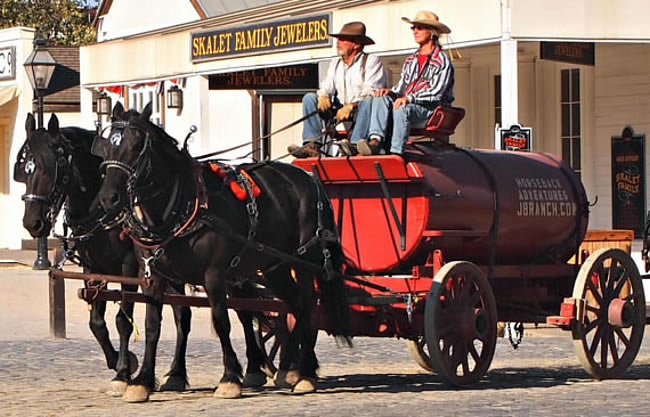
497	100
570	118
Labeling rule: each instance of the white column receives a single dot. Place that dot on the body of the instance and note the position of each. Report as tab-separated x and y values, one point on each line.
509	81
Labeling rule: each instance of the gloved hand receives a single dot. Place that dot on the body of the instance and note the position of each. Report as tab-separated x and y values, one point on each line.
344	112
324	103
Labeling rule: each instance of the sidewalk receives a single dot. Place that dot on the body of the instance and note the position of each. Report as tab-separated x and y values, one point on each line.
9	257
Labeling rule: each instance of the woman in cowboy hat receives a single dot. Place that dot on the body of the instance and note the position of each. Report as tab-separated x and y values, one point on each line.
351	77
427	80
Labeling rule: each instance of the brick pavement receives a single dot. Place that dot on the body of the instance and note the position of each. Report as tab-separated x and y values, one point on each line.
43	376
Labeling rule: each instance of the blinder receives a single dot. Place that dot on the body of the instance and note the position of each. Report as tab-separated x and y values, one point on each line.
24	166
101	143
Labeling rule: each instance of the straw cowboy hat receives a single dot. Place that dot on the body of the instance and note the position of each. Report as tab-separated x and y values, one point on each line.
355	31
427	18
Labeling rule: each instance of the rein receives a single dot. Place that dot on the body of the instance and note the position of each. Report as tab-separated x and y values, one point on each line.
282	129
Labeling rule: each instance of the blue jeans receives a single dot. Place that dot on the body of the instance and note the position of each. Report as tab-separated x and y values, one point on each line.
312	127
403	118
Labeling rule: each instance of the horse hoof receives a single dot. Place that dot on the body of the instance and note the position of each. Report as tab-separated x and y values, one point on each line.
117	388
174	383
286	379
133	363
228	390
252	380
304	386
136	394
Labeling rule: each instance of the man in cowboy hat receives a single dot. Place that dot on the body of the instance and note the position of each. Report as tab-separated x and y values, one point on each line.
427	80
351	77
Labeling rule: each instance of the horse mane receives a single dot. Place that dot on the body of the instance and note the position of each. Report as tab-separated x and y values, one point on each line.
168	144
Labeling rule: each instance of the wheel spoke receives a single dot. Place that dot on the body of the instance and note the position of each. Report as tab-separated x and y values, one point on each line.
592	309
591	325
594	291
595	341
268	336
465	292
601	277
465	364
604	345
621	283
611	275
622	336
613	350
274	350
455	286
473	352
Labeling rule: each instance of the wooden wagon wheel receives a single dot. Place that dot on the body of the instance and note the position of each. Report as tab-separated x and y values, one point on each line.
269	338
460	323
420	353
609	336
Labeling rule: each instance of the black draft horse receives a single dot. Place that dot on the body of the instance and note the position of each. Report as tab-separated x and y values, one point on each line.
56	165
197	230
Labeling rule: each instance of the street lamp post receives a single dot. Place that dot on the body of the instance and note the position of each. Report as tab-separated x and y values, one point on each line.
39	66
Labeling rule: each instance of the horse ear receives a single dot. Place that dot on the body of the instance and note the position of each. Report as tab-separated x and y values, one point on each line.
53	125
146	113
30	124
118	110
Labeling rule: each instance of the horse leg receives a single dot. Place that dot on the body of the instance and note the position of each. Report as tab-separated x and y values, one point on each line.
230	383
127	362
287	290
177	375
143	384
100	331
305	334
254	376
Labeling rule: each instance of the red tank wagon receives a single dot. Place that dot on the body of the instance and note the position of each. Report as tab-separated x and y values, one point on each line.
447	241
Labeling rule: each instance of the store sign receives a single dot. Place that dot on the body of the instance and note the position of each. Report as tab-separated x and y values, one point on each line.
628	181
516	138
300	33
8	63
302	77
581	53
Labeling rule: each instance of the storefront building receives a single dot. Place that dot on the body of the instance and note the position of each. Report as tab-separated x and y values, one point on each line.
576	73
16	100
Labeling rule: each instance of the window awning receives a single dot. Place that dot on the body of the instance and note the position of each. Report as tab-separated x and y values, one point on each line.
8	93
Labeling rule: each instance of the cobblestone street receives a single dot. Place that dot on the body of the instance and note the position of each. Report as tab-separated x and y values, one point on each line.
42	376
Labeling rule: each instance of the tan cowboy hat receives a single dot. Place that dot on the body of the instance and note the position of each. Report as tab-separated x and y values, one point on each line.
427	18
355	31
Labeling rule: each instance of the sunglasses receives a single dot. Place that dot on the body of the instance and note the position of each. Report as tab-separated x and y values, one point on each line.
420	27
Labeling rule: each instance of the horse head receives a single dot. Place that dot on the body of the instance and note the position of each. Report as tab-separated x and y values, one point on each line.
45	165
38	166
133	145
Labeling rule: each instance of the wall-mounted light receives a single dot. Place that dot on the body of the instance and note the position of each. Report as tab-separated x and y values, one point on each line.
175	98
104	104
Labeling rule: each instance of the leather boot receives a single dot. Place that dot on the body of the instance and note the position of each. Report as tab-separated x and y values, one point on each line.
308	150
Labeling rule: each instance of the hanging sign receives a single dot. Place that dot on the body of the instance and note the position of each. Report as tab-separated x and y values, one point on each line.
299	33
515	138
628	181
8	63
581	53
301	77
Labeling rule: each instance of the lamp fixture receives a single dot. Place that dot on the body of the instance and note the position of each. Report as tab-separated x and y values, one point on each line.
104	104
175	97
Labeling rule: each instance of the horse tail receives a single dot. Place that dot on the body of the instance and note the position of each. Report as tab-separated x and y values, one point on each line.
333	295
333	291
